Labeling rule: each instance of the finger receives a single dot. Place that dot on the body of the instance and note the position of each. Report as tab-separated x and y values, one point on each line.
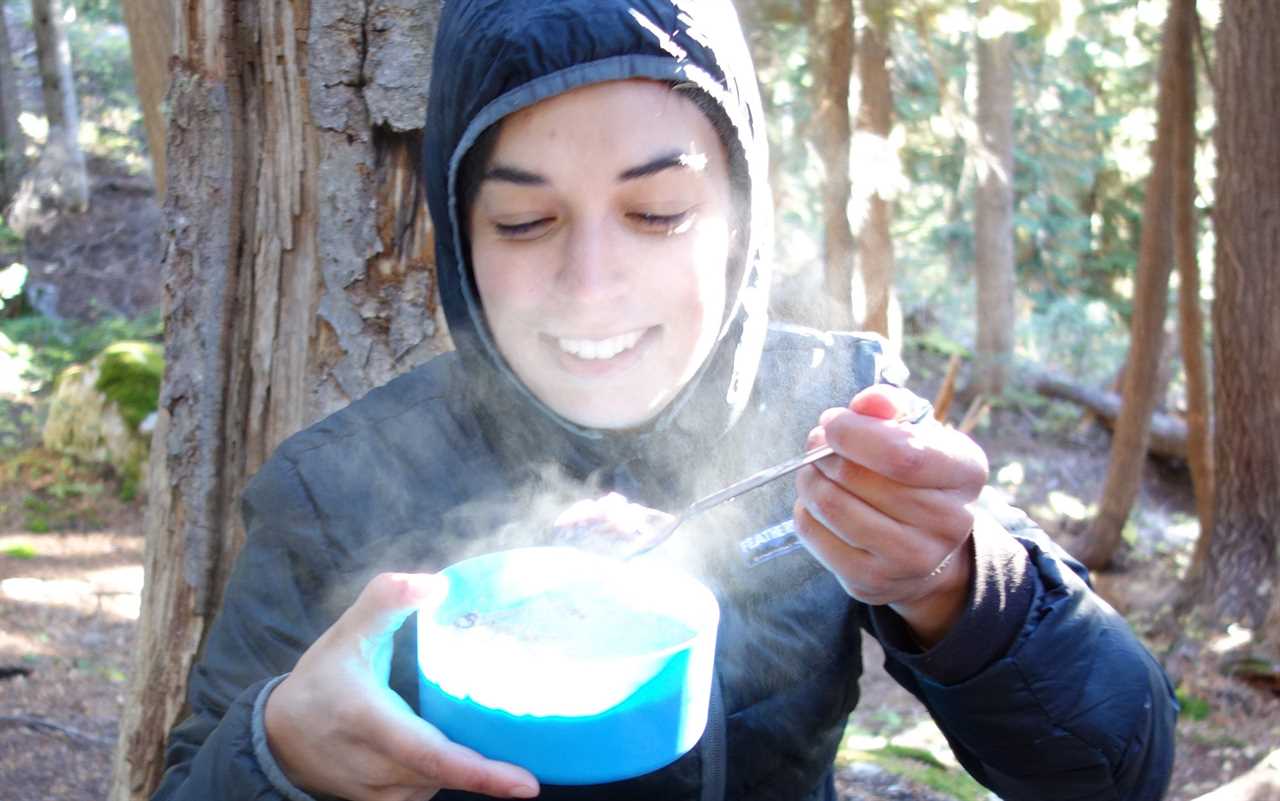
902	551
856	569
943	511
438	761
888	402
387	600
423	754
923	455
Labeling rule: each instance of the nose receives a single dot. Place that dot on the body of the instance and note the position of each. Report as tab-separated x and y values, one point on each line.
593	266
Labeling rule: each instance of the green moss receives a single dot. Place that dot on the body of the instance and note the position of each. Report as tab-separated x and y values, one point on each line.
131	479
921	767
20	552
130	376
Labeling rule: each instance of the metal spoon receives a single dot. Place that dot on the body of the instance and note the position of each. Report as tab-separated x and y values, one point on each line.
661	527
661	530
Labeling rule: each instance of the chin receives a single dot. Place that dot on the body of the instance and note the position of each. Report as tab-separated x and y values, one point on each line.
612	419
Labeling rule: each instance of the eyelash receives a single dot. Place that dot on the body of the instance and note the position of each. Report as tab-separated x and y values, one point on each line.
654	222
664	222
519	229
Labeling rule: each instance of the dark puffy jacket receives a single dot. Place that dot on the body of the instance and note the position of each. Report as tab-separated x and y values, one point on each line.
1052	699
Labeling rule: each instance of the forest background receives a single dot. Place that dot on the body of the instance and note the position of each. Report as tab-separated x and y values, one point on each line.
1023	196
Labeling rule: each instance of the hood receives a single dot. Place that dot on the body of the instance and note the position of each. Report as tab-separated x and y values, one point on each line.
495	57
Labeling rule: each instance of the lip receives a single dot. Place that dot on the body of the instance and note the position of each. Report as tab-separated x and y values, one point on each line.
591	368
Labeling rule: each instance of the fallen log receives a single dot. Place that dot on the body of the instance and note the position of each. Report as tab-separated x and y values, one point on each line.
1262	783
1168	434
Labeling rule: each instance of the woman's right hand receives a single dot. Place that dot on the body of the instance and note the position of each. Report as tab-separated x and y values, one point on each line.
336	727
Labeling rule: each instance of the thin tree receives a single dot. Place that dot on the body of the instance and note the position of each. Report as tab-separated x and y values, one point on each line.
878	310
62	155
993	222
1191	322
1243	560
13	141
831	40
299	275
1150	304
150	24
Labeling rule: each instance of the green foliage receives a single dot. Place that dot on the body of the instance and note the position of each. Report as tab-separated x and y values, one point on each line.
130	376
103	65
54	345
20	552
58	493
1084	96
9	238
99	11
1193	706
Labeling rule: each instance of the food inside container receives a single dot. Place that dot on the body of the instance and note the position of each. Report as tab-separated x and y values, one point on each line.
576	666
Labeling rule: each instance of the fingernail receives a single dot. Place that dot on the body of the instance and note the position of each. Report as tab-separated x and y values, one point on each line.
829	415
524	791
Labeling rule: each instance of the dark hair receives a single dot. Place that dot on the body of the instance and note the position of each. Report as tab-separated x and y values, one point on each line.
476	161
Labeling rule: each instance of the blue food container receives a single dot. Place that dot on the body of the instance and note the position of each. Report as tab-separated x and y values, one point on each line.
580	668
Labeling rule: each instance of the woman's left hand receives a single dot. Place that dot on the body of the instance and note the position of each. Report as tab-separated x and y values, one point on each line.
889	513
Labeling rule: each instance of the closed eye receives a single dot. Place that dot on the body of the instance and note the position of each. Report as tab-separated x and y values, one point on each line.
663	223
524	230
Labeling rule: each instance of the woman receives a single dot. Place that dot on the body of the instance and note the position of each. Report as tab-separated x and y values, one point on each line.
595	171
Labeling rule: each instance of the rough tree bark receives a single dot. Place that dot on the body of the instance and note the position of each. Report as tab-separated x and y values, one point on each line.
879	311
299	275
62	153
150	24
13	142
1243	561
831	58
993	221
1146	327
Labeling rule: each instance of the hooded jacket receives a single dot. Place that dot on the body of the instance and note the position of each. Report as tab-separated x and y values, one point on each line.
1041	689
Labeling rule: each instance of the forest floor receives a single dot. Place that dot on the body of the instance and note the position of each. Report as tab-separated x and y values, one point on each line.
71	574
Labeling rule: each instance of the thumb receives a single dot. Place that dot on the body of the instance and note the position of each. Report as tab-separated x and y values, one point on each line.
883	401
385	603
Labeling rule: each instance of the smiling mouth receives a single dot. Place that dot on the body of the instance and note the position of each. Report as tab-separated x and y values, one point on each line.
600	349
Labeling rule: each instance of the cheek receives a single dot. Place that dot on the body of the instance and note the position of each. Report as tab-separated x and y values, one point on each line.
711	260
502	286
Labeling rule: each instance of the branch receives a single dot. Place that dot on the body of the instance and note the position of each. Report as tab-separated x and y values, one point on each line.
42	725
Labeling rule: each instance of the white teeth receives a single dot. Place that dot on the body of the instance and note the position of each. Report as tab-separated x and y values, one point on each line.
600	348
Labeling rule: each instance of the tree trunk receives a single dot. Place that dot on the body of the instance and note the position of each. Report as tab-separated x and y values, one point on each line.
1186	224
831	58
993	237
1243	562
879	311
1146	329
13	142
150	24
299	275
62	150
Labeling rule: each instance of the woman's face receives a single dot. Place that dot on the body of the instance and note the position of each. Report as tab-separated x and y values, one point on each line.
600	241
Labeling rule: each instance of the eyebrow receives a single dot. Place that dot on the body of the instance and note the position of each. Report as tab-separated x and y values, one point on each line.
677	160
696	162
514	175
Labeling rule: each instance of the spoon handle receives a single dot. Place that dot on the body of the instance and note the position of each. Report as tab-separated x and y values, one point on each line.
755	480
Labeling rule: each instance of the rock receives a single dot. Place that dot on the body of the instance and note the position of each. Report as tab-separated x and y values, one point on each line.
98	408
